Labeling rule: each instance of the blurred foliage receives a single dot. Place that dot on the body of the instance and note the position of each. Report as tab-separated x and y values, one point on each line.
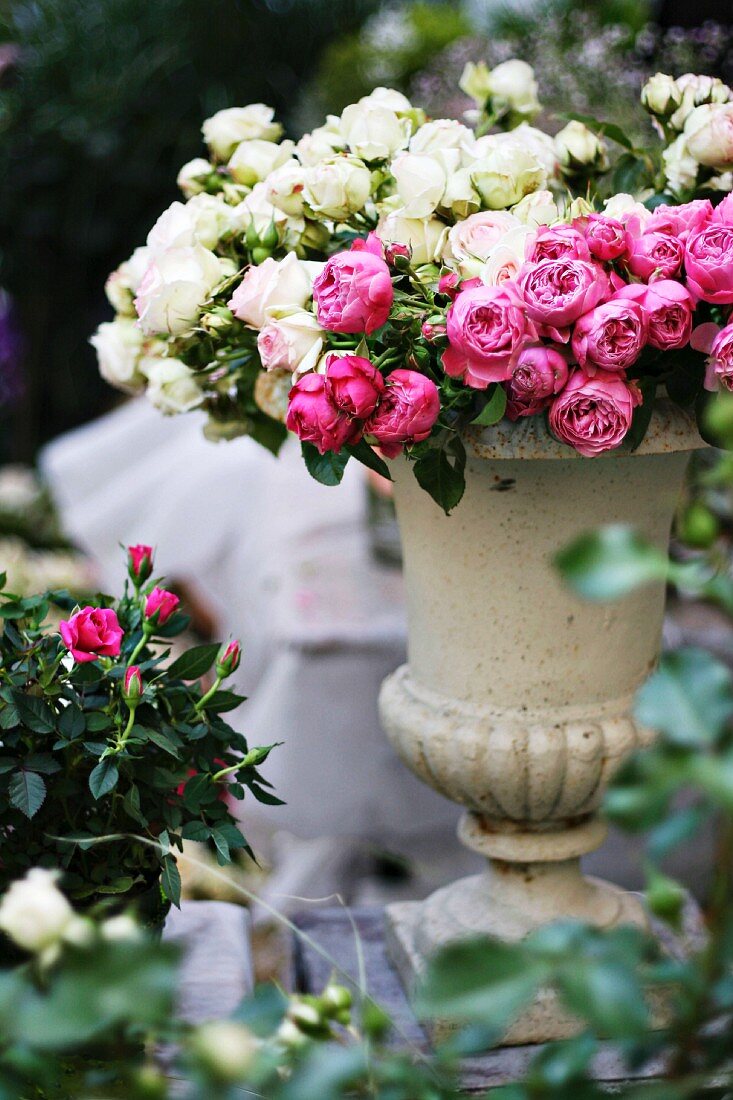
506	20
100	103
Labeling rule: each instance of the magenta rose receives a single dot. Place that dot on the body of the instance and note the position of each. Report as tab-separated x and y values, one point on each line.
717	343
160	605
92	632
406	413
723	212
610	336
132	687
314	417
593	415
709	263
557	292
655	256
551	243
486	327
139	563
353	384
354	292
607	238
681	220
667	307
540	372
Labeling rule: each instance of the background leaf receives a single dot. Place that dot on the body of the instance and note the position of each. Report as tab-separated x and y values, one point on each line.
610	562
27	792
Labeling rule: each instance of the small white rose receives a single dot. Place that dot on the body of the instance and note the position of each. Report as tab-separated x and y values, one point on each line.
577	147
539	208
337	187
122	284
475	81
506	257
284	188
175	287
460	195
512	86
192	176
696	89
420	181
680	167
622	207
291	340
224	130
274	284
441	133
506	174
119	345
476	236
34	913
253	160
373	132
389	98
425	236
172	387
322	142
709	135
661	95
256	210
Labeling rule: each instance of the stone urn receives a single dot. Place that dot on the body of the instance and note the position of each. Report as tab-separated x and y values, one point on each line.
517	698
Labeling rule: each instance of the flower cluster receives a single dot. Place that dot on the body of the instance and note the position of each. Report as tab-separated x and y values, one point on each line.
391	279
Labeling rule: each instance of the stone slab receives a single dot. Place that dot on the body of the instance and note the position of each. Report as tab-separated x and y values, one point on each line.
353	944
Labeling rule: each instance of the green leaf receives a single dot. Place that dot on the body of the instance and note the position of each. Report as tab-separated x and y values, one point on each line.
196	831
607	993
27	792
171	881
631	173
71	722
689	698
34	713
444	480
610	562
97	721
222	701
222	847
368	457
159	738
103	778
494	408
328	468
194	662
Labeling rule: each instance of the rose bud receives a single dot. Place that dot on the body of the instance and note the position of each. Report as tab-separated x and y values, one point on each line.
160	605
432	330
92	632
228	660
397	254
353	384
139	563
449	284
132	687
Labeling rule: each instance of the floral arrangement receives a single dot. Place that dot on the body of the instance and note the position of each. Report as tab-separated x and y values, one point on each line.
112	754
390	281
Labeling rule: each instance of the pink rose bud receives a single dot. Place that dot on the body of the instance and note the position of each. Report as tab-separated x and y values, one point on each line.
540	372
610	336
557	292
353	292
709	263
353	384
681	220
432	330
607	238
228	660
487	326
314	417
399	255
553	243
655	256
594	414
449	283
92	632
406	413
139	563
160	605
667	307
133	684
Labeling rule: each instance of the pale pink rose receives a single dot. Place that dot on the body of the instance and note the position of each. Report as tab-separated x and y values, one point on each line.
487	327
160	605
607	238
91	633
723	212
274	284
709	263
593	415
353	384
290	341
709	135
354	292
667	307
557	292
553	242
717	343
406	413
655	256
476	235
681	220
610	336
541	371
314	417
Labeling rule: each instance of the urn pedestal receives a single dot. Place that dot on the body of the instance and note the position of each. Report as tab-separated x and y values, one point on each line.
517	698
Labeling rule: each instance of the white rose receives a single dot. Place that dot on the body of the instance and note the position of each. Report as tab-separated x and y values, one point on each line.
257	210
274	284
284	188
709	135
680	168
175	228
322	142
213	218
172	387
539	208
253	160
389	98
337	187
460	195
226	1048
291	340
192	175
420	181
512	86
661	95
505	258
34	913
174	288
476	81
373	132
122	284
425	236
578	147
476	236
695	90
535	141
224	130
441	133
506	174
622	207
118	345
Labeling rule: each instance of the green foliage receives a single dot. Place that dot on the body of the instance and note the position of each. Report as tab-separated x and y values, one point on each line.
611	562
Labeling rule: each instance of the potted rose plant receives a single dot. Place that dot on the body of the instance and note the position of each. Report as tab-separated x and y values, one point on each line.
527	324
112	753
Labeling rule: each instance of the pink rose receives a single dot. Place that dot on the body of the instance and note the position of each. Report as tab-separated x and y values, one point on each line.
354	292
370	243
540	372
594	414
228	660
610	336
717	343
557	292
449	283
353	384
723	212
681	220
133	684
139	562
486	327
160	605
271	285
709	263
550	243
91	633
315	419
606	237
667	307
406	413
655	256
474	237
